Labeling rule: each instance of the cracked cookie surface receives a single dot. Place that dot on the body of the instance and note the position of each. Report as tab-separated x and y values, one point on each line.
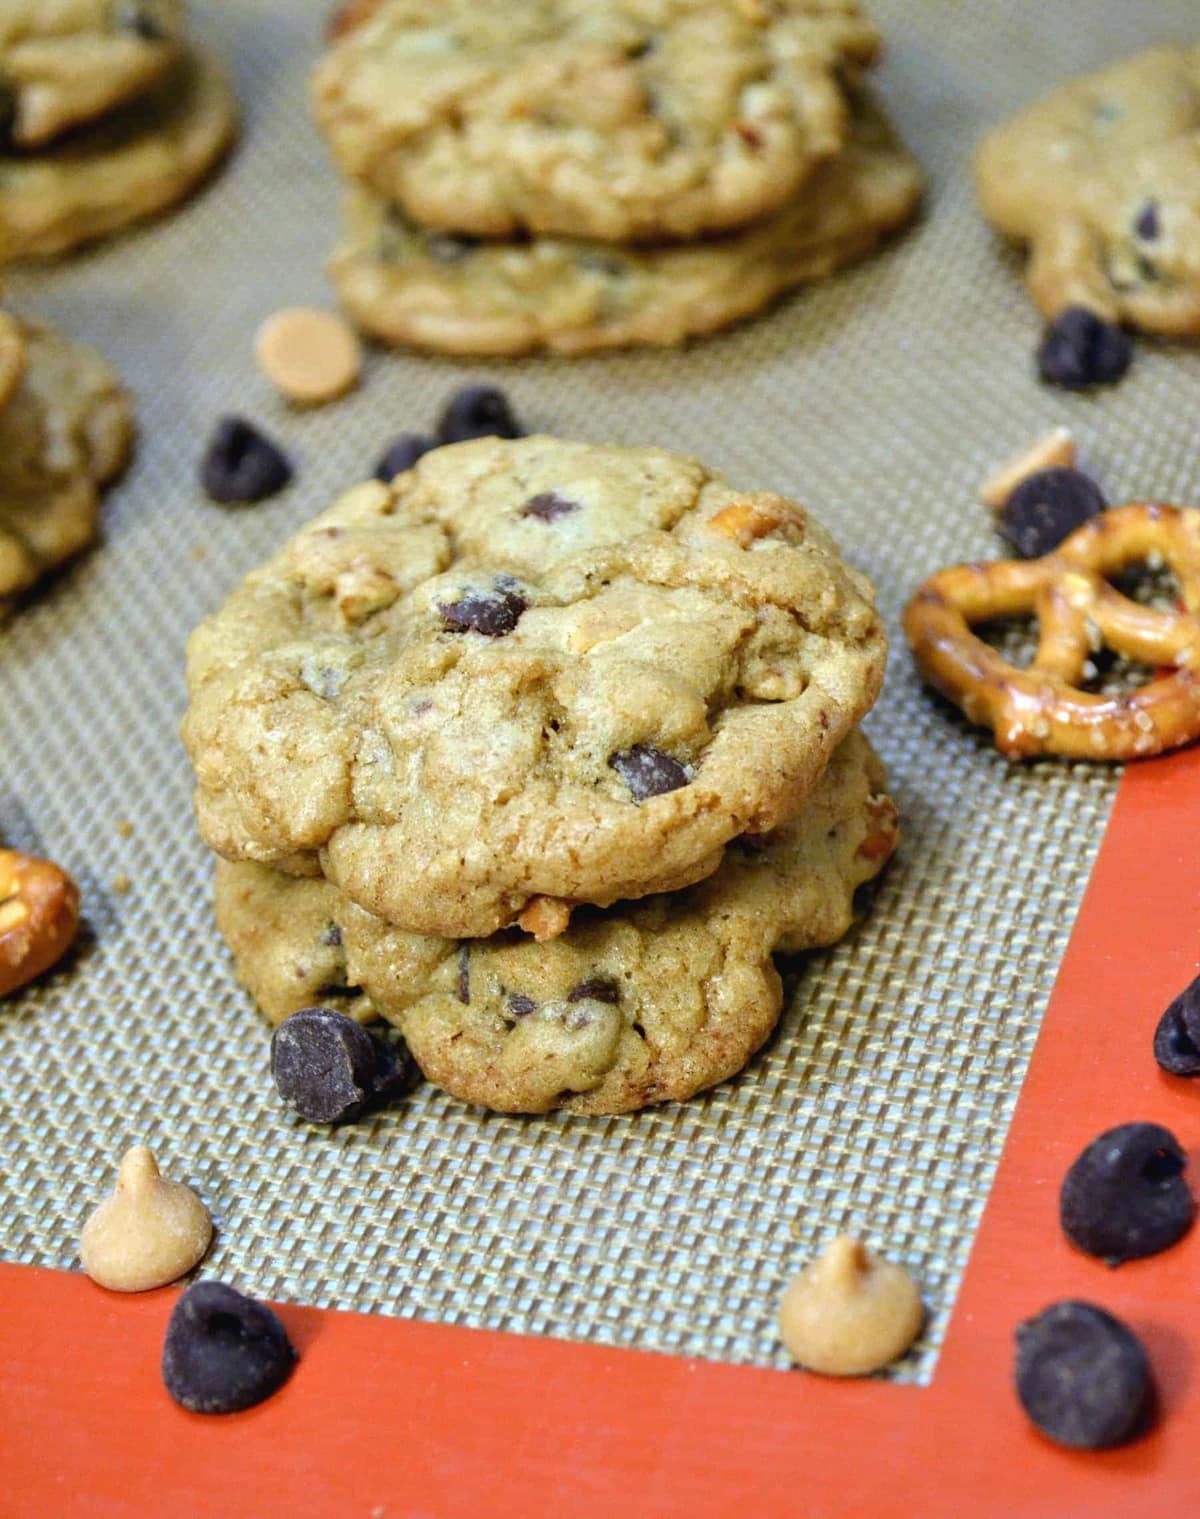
450	294
64	62
1101	180
66	430
134	164
645	1002
522	669
624	120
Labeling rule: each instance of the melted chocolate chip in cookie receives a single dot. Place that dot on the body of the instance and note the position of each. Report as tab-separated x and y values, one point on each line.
520	1006
1147	225
549	506
595	989
493	613
647	771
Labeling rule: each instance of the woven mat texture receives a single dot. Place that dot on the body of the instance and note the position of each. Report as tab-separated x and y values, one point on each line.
880	399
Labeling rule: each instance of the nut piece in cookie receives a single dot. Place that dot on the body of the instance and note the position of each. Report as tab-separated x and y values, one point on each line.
1101	181
1045	709
39	917
850	1313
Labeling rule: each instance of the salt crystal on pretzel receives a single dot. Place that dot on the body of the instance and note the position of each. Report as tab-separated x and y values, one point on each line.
1042	710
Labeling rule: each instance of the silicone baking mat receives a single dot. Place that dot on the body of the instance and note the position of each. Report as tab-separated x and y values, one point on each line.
880	399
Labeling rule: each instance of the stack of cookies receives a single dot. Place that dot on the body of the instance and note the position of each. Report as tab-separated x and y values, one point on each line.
66	429
110	114
541	752
576	176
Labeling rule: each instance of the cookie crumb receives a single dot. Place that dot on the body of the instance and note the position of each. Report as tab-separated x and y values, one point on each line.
125	828
121	883
849	1313
1057	450
149	1231
310	356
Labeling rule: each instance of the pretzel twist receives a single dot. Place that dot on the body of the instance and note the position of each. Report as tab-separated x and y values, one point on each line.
1041	710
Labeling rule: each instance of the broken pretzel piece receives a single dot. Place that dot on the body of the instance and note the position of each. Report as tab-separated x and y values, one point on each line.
1042	710
39	917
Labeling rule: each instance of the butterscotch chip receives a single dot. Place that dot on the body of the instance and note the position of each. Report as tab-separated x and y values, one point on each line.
545	917
1055	451
311	356
149	1232
39	917
850	1313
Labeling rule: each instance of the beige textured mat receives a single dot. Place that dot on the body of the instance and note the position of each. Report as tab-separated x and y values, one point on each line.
880	399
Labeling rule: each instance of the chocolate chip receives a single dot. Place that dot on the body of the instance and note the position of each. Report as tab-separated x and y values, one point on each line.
223	1351
401	454
331	935
595	989
1147	224
1125	1196
549	506
1046	508
329	1068
647	771
140	20
449	247
1175	1039
477	411
1079	349
464	975
492	613
520	1006
241	465
8	116
1083	1377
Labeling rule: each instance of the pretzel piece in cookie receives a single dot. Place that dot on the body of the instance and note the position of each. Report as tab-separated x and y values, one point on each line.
1042	709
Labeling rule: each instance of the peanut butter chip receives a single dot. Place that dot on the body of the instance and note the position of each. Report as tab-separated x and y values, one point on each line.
310	356
849	1313
149	1232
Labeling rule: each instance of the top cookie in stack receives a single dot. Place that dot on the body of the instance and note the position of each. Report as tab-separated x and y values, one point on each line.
524	682
109	115
522	173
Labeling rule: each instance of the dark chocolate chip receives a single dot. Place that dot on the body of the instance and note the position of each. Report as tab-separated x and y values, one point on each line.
241	465
401	454
477	411
1125	1196
595	989
1046	508
492	613
549	506
464	975
1147	224
647	771
141	20
1079	349
8	116
449	247
329	1068
1083	1377
520	1006
331	935
223	1351
1177	1037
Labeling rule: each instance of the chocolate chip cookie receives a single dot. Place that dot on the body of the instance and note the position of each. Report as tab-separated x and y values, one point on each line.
133	164
64	62
646	1002
66	431
527	668
407	285
620	120
1101	179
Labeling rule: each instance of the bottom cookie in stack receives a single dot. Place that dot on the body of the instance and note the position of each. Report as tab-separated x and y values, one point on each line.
406	285
66	429
645	1002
